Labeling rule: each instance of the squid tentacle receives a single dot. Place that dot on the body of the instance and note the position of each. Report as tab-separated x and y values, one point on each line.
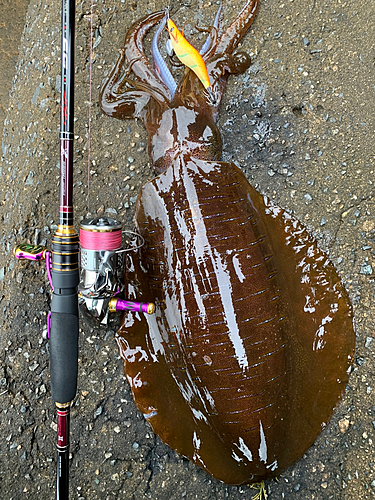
134	53
160	65
210	40
155	93
213	37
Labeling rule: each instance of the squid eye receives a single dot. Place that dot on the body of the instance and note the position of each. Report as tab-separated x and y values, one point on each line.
171	29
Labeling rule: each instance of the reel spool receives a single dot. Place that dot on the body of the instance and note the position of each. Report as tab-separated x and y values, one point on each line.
101	260
102	264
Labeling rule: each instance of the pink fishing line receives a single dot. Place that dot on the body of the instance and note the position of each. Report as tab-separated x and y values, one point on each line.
96	240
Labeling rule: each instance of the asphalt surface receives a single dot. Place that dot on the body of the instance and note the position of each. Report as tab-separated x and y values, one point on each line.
12	15
299	123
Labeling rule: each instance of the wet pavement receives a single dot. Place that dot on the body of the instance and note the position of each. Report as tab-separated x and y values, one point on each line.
12	16
299	123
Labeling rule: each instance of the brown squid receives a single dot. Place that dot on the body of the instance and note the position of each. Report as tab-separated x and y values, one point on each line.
250	347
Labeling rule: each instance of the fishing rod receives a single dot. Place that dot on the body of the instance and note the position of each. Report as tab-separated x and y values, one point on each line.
97	288
62	266
64	317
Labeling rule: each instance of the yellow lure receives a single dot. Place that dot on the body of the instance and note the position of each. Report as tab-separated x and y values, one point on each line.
187	54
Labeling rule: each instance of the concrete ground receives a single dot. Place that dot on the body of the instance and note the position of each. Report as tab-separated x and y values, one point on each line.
300	123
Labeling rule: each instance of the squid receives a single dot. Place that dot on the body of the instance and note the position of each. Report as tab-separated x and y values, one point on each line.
250	347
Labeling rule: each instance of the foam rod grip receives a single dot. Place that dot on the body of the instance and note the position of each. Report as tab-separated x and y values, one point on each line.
63	351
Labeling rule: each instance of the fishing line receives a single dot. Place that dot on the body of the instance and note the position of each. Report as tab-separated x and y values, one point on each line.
94	239
102	254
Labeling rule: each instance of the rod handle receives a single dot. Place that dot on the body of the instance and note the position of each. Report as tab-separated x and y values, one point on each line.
63	347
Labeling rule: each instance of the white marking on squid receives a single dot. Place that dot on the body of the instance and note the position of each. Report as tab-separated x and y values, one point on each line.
198	415
204	249
244	449
130	354
309	305
155	337
319	341
263	444
209	397
271	209
225	286
236	457
137	381
237	268
159	212
272	466
196	441
188	391
152	413
310	251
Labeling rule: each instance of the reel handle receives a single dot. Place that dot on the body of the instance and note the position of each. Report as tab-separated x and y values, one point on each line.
116	304
30	252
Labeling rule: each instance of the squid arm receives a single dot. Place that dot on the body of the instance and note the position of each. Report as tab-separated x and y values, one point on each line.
209	40
116	101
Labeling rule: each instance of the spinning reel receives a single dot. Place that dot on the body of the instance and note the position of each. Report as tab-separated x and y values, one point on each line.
102	265
102	260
